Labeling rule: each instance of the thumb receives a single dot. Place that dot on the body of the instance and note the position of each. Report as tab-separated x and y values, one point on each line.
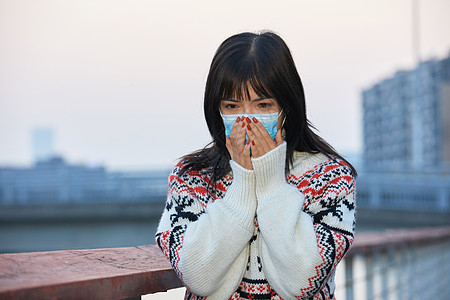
278	138
228	144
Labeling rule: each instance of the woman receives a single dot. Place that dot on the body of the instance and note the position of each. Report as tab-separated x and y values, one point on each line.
267	210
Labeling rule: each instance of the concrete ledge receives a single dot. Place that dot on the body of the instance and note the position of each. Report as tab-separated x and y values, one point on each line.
114	273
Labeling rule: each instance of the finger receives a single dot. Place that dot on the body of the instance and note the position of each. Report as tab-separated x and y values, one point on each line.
247	148
240	135
262	137
262	130
252	136
256	151
247	156
235	126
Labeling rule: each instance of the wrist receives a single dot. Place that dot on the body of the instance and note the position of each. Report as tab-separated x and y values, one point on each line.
241	196
270	171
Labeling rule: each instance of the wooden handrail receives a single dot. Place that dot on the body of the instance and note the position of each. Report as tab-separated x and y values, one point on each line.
119	273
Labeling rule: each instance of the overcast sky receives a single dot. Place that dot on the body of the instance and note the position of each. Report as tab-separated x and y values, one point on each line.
121	82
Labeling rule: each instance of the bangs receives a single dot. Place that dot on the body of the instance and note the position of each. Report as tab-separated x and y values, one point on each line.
237	86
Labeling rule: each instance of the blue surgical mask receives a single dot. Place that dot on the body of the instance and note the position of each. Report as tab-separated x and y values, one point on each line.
269	121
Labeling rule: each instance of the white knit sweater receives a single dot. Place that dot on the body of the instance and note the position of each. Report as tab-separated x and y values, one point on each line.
261	235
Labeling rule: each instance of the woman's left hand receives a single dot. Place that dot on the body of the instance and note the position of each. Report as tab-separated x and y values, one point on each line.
260	140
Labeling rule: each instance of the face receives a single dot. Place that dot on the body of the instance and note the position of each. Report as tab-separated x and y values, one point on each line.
253	105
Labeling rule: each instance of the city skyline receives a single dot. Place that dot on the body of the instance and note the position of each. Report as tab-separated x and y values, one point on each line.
121	84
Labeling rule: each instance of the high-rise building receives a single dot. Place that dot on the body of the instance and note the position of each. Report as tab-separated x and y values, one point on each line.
42	139
406	156
407	119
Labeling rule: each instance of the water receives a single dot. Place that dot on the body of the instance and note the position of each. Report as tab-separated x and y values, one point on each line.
45	236
78	226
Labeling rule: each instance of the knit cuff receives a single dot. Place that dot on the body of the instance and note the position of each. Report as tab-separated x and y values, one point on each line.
241	196
270	171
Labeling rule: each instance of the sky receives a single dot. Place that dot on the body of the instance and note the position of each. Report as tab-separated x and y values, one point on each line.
120	83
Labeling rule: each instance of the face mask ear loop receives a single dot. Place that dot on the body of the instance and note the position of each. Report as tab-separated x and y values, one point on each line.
284	119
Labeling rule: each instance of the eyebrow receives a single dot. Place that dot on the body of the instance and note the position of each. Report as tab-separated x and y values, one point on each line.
257	99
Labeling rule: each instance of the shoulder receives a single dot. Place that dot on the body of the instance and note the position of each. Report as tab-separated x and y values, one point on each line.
324	184
181	171
321	167
196	184
196	180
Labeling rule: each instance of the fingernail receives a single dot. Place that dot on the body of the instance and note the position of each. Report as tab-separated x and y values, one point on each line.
253	143
243	124
248	142
238	119
255	120
248	120
248	127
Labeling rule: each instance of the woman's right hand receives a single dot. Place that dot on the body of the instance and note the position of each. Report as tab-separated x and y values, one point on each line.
239	151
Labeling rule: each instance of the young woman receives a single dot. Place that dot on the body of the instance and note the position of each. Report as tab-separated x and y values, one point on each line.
267	210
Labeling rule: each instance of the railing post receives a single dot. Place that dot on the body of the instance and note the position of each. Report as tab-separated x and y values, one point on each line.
384	269
412	270
349	293
409	260
391	272
445	269
369	276
400	272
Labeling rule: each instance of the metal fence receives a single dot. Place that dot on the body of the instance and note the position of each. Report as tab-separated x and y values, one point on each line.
404	265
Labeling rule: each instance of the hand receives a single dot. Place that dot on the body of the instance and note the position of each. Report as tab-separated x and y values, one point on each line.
239	151
261	142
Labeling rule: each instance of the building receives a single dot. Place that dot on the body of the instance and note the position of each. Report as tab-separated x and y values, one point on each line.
53	181
406	127
407	119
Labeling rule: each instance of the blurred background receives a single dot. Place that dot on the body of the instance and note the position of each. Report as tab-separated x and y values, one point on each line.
98	99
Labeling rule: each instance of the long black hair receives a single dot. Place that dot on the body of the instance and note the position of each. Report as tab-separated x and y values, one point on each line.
263	62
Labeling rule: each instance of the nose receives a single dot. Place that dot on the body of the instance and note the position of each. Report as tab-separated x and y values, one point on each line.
249	109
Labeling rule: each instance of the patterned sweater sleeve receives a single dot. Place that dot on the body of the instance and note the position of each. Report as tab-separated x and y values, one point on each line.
207	244
300	248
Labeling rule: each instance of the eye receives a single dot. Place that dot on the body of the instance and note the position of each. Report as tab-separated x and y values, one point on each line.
230	106
264	105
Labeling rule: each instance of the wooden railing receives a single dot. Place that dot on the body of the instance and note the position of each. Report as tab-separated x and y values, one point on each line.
122	273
